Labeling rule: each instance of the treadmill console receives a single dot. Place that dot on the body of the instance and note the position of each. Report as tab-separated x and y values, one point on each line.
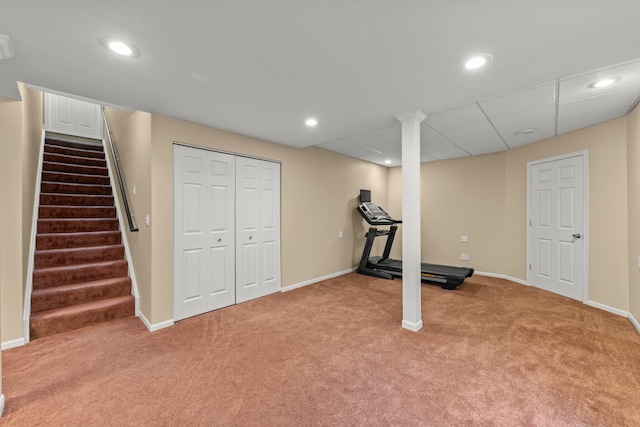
373	213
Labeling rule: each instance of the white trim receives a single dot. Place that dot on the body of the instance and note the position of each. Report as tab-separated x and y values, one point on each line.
502	276
1	404
585	234
18	342
26	312
123	233
607	308
634	322
154	327
316	280
413	327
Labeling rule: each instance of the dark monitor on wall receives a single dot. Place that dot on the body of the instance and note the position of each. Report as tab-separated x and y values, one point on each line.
365	196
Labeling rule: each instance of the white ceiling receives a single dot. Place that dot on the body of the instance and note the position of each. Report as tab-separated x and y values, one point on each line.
261	67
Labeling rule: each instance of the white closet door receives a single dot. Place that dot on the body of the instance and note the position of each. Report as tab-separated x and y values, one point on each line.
72	117
270	227
248	266
204	244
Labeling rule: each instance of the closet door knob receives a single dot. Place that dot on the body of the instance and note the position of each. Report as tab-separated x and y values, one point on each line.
250	237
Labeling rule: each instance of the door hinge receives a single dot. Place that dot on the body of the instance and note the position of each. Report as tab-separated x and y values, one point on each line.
529	267
529	223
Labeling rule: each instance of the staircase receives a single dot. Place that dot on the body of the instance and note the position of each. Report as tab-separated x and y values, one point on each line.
80	274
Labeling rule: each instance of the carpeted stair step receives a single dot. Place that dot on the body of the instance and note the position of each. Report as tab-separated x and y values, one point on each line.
64	319
56	199
67	151
64	188
75	225
75	169
81	255
76	212
77	240
76	145
74	160
72	178
78	273
79	293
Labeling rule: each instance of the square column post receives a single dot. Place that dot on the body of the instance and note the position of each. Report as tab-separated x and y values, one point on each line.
411	258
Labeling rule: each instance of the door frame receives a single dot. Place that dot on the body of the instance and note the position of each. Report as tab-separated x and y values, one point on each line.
585	180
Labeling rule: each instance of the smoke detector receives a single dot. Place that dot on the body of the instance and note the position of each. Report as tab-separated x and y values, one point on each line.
6	50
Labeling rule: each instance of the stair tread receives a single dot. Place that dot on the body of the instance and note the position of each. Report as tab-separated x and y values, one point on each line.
79	233
81	308
77	286
67	250
79	266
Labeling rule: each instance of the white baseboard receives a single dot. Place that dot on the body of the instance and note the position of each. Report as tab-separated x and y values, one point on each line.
608	308
156	326
1	404
13	343
502	276
634	322
316	280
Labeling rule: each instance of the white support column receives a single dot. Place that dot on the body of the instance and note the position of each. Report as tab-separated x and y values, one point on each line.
411	259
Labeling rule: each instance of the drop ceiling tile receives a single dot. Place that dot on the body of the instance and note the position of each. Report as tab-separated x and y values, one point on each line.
542	117
476	138
451	152
574	88
463	115
341	146
524	100
393	132
424	158
374	141
542	132
570	121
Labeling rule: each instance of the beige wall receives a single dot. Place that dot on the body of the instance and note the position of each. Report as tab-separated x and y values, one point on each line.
310	177
11	278
484	197
633	170
32	123
463	196
132	138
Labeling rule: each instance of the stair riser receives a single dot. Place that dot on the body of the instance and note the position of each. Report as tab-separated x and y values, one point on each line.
76	145
74	178
78	274
74	160
54	298
54	149
58	258
40	327
96	190
74	212
75	200
46	226
84	170
77	240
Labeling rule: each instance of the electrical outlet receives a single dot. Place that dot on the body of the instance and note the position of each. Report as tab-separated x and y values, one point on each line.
639	262
464	239
134	190
146	220
340	234
464	257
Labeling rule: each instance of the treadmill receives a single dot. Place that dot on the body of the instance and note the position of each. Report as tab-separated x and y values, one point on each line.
387	268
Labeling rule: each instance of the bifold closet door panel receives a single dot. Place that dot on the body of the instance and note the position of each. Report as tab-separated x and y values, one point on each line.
258	228
248	268
204	237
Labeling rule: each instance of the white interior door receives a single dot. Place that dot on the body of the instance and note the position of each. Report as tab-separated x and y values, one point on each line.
258	228
72	117
204	238
557	226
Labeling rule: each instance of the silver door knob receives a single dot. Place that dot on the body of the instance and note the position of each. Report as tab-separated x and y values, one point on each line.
219	239
250	237
577	235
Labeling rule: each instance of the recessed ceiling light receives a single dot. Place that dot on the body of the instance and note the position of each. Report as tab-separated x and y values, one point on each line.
525	131
120	48
311	122
604	82
387	162
477	61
